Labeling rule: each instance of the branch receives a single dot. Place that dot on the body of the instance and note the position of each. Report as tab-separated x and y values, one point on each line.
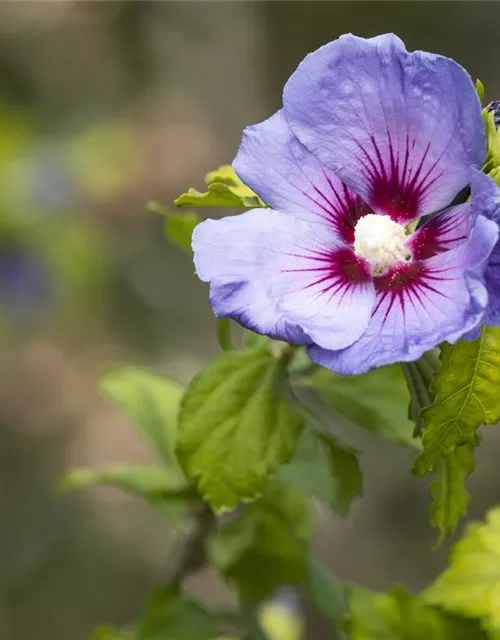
188	554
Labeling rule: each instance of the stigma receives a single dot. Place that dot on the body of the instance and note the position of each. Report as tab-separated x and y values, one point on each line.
381	242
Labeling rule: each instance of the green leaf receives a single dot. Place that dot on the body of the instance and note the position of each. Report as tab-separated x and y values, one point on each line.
151	401
225	174
236	426
471	584
169	616
377	401
144	481
324	468
179	227
217	195
164	488
465	397
450	498
225	189
267	546
328	595
398	615
480	90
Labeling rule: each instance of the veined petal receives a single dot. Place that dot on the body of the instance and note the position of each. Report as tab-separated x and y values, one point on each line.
274	164
442	232
492	279
401	129
452	227
284	277
419	305
492	271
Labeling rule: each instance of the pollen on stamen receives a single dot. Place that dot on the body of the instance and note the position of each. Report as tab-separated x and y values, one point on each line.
381	242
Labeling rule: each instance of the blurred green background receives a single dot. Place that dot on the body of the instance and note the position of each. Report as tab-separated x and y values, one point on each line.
103	107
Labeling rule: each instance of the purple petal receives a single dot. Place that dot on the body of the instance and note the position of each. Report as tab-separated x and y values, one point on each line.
492	279
442	232
284	277
491	209
452	227
400	129
280	170
419	305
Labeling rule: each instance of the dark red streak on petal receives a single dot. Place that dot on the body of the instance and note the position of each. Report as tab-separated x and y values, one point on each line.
393	192
405	283
437	236
343	209
397	191
343	270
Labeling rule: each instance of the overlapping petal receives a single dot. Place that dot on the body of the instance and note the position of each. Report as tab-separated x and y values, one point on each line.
491	209
419	305
284	277
287	177
492	278
452	227
401	129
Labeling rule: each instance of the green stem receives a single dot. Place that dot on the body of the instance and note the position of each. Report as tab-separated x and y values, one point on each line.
224	334
189	556
419	376
288	354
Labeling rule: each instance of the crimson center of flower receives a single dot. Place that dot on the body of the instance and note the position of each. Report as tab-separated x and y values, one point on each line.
381	242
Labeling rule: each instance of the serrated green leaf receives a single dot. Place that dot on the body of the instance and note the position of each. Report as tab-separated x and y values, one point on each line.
324	468
465	397
267	546
169	616
236	426
328	595
450	498
377	401
217	195
471	584
151	401
227	175
398	615
225	189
